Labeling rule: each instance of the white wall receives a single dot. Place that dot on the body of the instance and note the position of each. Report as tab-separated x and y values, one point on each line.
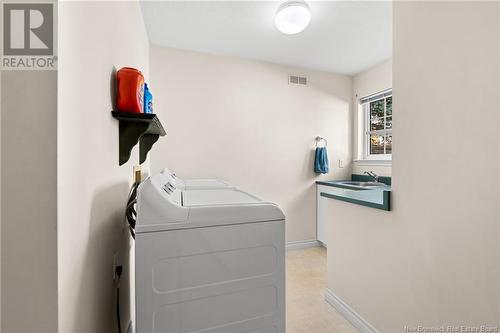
92	188
373	80
498	205
433	260
28	192
0	200
241	121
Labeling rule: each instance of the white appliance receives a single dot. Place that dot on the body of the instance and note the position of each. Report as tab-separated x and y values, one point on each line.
208	260
193	184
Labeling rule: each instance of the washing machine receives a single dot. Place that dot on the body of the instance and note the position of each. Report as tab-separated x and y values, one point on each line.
208	260
194	184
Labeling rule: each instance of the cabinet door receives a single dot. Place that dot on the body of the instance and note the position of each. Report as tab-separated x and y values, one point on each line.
321	217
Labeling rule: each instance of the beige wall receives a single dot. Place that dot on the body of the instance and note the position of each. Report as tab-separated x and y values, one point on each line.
241	121
29	178
433	260
373	80
92	190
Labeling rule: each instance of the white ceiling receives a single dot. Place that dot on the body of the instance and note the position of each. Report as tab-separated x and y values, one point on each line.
344	36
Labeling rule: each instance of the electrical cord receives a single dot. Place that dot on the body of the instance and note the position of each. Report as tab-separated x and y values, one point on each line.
118	270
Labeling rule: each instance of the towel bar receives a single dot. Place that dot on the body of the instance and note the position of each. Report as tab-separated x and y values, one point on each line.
319	139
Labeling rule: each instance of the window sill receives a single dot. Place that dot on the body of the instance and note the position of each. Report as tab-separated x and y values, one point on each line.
374	162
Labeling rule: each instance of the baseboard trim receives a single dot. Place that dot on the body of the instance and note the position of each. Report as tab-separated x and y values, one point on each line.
348	313
299	245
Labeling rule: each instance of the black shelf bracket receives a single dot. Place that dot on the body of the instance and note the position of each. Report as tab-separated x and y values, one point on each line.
142	128
146	143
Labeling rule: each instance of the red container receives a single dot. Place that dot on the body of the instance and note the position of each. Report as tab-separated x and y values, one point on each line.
130	97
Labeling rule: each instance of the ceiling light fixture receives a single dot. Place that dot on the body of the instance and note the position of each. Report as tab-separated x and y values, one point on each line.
292	17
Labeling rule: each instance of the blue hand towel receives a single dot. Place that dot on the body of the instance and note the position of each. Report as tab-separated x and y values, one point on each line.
321	160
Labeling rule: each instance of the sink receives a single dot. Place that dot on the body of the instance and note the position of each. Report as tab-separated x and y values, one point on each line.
362	184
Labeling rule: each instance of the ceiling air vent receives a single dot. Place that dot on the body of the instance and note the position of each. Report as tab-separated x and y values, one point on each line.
293	79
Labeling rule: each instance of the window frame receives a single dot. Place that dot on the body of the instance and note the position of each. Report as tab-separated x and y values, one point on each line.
383	95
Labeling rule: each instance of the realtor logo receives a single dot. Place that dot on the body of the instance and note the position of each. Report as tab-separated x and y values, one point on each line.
28	36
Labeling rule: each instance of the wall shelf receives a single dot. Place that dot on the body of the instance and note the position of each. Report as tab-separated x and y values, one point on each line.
144	128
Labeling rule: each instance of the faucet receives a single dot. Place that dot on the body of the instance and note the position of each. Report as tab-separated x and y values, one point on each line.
373	175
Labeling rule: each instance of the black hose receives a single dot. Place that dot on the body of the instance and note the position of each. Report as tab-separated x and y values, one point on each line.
131	215
130	212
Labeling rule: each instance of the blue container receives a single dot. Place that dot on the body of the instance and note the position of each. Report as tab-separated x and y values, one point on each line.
148	100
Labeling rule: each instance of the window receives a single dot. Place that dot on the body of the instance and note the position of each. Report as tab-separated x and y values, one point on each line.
377	110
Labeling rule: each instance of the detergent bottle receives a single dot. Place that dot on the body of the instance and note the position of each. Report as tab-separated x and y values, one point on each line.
148	99
130	95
